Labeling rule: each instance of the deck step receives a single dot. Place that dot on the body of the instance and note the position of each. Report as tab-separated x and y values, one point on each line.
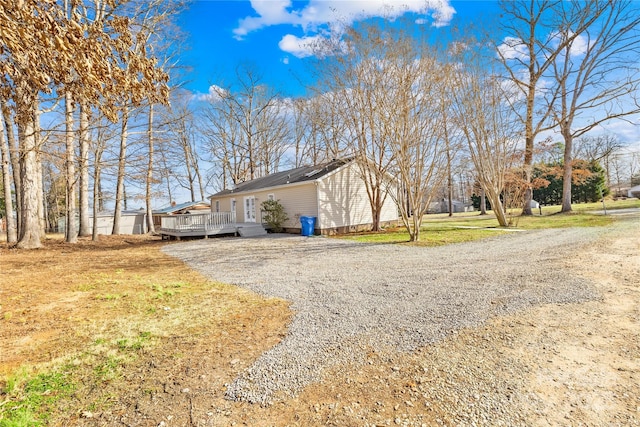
252	230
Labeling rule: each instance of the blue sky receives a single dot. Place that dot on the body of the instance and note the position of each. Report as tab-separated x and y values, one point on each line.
269	33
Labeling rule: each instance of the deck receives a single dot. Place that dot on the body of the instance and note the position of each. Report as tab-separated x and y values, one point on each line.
205	225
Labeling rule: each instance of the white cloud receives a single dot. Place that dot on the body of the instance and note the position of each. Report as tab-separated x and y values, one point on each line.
627	130
335	14
270	12
300	47
579	46
513	48
318	45
216	93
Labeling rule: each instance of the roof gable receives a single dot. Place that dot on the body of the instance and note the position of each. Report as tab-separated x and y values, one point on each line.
292	176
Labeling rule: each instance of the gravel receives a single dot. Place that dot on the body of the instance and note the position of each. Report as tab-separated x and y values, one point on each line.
348	296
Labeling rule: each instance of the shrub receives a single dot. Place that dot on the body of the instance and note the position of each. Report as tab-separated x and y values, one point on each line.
273	215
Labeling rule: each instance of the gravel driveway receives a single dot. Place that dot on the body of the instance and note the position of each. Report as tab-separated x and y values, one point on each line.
348	296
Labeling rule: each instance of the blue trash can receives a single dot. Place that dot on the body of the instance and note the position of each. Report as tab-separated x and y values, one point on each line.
308	225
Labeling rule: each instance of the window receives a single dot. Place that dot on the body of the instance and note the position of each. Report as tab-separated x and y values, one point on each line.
217	205
233	209
271	197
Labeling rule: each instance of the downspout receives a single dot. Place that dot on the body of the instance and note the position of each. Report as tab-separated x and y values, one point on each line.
318	208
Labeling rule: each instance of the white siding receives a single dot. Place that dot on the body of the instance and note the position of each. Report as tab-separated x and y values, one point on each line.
297	200
389	211
344	202
343	199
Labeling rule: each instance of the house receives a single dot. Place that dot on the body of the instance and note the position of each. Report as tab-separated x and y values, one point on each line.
634	192
131	222
334	193
179	209
442	206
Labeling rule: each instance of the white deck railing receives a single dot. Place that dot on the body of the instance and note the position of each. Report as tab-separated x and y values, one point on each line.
197	222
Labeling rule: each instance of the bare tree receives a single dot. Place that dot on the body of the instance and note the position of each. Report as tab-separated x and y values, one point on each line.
332	131
595	72
246	127
599	148
223	135
148	17
353	74
301	130
488	125
181	143
412	115
87	55
527	52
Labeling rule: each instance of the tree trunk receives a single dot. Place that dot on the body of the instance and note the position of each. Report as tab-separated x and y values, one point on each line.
449	184
14	156
42	217
199	178
483	201
414	235
120	179
83	165
45	204
150	226
71	233
12	231
40	181
30	232
497	208
100	194
377	211
168	175
567	172
528	172
448	148
97	191
186	148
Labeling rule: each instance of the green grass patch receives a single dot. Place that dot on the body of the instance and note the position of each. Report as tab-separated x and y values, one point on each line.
134	344
168	290
608	203
109	369
30	400
563	221
442	229
429	235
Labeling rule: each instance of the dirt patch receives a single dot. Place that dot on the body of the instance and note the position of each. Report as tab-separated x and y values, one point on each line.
571	364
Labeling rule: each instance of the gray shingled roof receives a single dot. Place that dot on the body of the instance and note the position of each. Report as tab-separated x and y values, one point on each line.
301	174
175	208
